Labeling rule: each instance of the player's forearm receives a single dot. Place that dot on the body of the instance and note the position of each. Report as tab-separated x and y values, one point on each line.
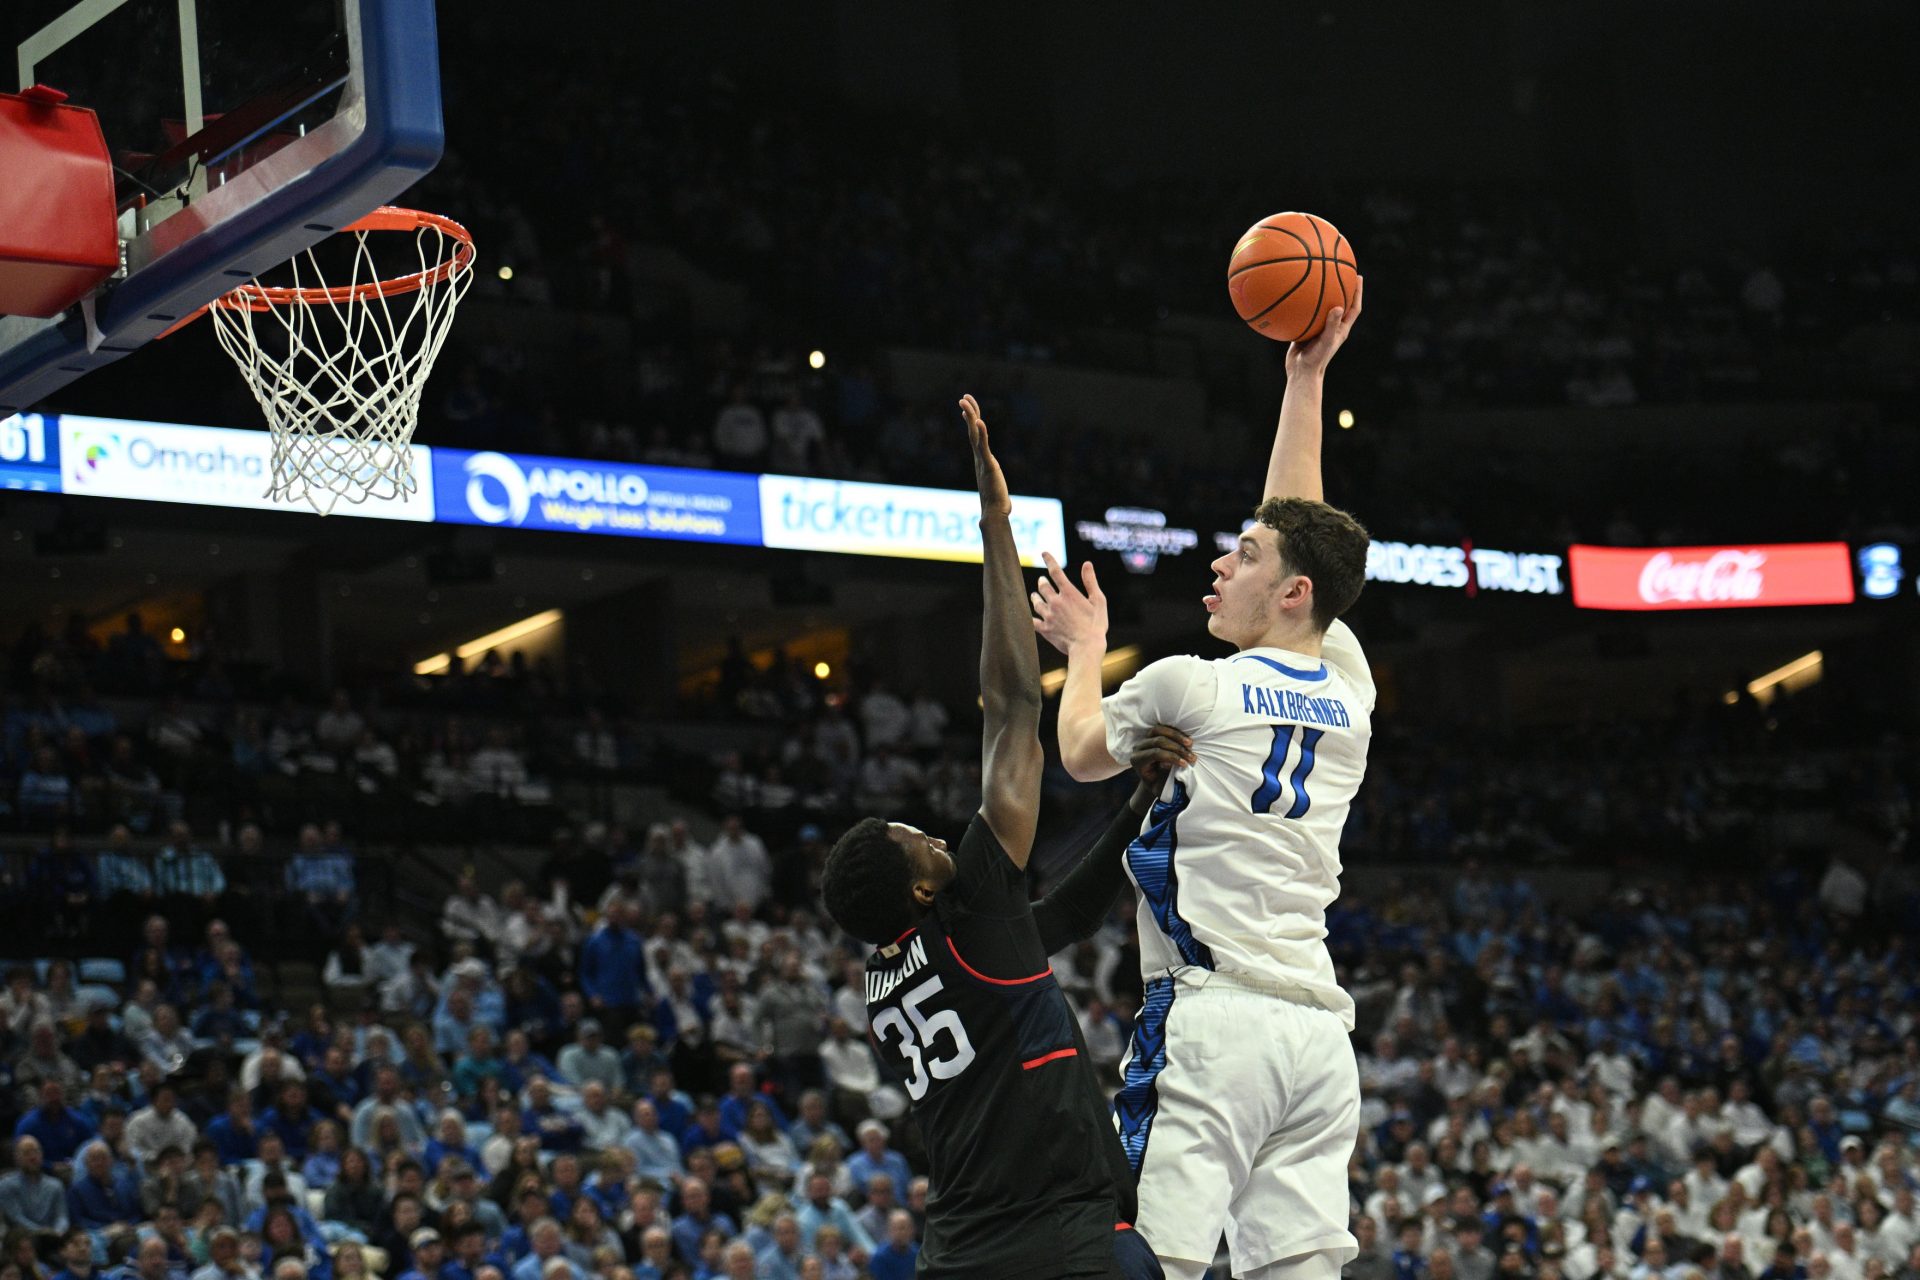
1073	911
1293	469
1009	658
1083	730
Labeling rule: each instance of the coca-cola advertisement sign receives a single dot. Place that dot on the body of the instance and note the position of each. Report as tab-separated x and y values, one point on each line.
1711	577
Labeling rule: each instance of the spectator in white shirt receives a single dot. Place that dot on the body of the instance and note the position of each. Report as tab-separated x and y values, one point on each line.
470	916
154	1128
740	870
887	781
497	769
740	431
602	1125
339	726
883	717
930	721
849	1065
797	436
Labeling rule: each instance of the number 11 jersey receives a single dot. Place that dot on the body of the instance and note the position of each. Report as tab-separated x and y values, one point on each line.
1028	1178
1240	858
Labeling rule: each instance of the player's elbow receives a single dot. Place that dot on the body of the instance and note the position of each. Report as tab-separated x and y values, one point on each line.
1016	700
1087	761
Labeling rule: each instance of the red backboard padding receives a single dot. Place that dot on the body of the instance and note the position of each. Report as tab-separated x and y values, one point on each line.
57	232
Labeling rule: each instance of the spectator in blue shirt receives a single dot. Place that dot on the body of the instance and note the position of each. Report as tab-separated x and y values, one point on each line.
235	1135
293	1119
186	869
705	1129
741	1094
896	1259
822	1208
333	1086
101	1199
656	1152
76	1256
45	791
674	1106
220	1021
874	1156
548	1246
557	1130
30	1197
696	1217
321	880
613	969
449	1139
429	1255
58	1130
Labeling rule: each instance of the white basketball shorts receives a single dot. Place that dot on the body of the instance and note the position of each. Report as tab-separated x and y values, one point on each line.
1239	1109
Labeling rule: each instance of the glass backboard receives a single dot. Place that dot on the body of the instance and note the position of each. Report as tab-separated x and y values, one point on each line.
241	132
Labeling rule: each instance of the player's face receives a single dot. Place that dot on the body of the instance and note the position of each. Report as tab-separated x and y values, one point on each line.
926	855
1245	600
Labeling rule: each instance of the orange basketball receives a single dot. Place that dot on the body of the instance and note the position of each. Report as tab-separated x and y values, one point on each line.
1287	272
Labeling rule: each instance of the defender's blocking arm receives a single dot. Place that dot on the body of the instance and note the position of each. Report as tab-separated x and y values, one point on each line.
1010	757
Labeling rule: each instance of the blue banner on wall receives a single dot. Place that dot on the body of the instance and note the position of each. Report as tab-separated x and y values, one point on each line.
522	491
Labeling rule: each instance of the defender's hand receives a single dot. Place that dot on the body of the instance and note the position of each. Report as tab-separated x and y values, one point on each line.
1163	749
1063	613
1311	357
986	467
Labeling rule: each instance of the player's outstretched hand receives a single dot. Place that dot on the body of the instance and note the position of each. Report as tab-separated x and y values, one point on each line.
1067	616
986	467
1312	356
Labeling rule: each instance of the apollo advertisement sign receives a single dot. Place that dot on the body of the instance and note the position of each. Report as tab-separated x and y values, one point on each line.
523	491
1736	577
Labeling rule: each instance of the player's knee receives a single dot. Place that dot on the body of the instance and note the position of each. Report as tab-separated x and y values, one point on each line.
1319	1265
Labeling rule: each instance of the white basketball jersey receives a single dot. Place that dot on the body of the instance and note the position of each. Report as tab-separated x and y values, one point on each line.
1240	857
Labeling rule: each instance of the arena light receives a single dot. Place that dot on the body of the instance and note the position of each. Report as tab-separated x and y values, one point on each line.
506	272
816	359
439	662
1794	676
822	670
1346	419
1115	667
177	635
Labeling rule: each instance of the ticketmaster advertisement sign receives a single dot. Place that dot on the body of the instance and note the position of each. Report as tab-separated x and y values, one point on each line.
898	520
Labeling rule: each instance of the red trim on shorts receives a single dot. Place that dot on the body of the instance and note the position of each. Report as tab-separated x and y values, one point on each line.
1045	1058
998	982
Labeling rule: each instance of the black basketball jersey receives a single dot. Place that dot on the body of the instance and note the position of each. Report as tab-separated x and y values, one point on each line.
1028	1178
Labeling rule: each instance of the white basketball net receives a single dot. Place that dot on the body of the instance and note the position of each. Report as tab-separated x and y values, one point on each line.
338	370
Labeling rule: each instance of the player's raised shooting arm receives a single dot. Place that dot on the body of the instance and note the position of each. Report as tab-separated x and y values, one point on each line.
1074	621
1073	911
1293	468
1010	759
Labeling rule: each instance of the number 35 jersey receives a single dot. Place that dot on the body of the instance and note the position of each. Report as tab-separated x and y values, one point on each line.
1240	858
1028	1178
